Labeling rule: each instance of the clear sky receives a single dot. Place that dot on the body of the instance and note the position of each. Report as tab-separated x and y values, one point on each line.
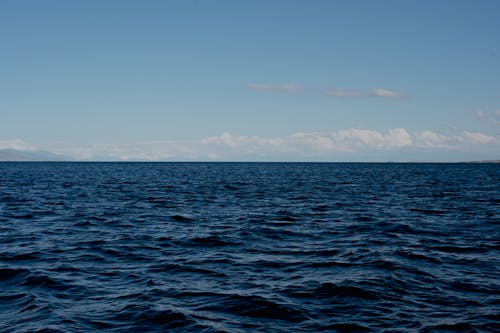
251	80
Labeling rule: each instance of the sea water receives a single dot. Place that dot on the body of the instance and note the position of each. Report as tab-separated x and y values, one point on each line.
249	247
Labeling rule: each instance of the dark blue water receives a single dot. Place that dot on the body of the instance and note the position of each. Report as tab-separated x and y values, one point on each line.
237	247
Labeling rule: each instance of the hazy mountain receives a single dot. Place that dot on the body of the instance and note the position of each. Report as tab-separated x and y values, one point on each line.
30	155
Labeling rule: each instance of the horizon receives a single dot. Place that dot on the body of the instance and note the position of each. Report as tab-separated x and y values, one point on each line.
27	157
328	81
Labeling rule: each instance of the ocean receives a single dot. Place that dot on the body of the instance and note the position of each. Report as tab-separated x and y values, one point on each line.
249	247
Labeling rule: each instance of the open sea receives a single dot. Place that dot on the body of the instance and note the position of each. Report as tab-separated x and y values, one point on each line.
249	247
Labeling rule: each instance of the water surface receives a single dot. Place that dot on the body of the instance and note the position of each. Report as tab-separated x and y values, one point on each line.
249	247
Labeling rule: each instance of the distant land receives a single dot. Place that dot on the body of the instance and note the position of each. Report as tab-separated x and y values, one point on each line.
13	155
487	161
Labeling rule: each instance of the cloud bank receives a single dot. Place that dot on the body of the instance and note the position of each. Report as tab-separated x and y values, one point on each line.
345	144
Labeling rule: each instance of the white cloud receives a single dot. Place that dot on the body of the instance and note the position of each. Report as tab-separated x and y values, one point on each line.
476	137
346	93
428	139
394	138
465	139
322	142
246	144
349	140
288	88
384	93
225	139
17	144
333	145
331	92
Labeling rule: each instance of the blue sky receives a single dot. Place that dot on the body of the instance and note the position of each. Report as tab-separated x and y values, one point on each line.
251	80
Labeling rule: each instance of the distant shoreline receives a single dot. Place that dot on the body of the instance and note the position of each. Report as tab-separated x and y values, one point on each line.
270	162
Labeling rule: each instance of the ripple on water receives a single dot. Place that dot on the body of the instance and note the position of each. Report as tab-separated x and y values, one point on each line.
249	247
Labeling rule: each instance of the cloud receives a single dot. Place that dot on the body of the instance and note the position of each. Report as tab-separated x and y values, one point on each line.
288	88
491	118
248	144
346	93
384	93
394	138
322	142
354	139
342	144
429	139
476	137
17	144
331	92
462	140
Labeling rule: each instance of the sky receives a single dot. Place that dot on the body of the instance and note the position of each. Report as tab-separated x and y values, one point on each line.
254	80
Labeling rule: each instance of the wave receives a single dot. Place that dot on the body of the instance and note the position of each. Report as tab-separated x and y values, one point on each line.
242	247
